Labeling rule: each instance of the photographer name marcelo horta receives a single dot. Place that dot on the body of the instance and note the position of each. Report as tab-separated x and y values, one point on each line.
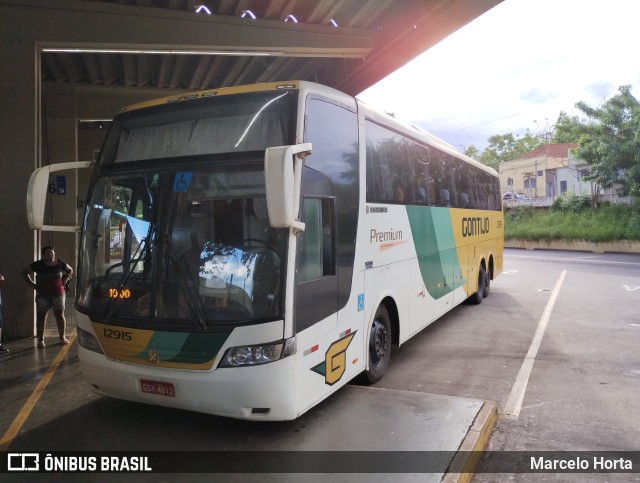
581	464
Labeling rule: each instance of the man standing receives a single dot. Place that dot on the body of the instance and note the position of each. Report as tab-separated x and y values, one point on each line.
51	276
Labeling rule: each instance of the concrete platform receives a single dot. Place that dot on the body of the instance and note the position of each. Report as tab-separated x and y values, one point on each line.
361	433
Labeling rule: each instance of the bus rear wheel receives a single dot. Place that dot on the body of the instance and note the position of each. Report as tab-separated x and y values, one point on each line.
379	351
476	298
487	282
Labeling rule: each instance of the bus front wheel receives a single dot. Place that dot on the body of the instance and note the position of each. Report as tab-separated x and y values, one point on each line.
379	346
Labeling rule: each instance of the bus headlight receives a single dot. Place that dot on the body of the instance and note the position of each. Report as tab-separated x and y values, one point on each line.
88	341
252	355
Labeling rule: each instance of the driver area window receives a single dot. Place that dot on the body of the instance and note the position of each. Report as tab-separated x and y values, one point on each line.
316	255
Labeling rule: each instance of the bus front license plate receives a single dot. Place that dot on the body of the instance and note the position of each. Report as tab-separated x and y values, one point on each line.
157	387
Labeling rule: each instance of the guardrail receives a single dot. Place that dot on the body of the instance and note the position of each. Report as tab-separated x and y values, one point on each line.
535	202
547	201
616	246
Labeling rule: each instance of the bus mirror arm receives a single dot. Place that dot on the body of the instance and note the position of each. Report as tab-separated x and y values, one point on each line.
283	179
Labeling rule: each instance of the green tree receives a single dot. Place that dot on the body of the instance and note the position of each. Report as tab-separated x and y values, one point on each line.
563	130
472	152
608	140
505	147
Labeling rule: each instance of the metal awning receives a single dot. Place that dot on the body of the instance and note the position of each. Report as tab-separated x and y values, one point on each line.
346	44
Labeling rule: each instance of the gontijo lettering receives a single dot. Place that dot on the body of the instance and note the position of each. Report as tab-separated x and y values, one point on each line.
475	226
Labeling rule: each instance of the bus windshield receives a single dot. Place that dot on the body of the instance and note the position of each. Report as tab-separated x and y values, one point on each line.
176	231
181	247
217	125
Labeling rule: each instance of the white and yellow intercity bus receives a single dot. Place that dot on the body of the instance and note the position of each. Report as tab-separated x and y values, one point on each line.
247	251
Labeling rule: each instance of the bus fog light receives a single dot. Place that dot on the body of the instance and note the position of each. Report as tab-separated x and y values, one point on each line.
258	354
88	341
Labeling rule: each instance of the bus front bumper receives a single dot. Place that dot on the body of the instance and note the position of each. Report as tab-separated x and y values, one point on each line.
261	392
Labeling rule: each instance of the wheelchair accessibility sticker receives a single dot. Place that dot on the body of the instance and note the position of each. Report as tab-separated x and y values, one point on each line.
182	181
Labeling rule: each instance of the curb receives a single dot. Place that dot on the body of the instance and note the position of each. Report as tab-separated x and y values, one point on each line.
619	246
464	463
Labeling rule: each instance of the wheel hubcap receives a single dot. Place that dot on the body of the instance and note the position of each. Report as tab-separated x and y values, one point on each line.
379	342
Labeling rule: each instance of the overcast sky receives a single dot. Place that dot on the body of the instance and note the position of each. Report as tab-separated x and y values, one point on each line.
522	61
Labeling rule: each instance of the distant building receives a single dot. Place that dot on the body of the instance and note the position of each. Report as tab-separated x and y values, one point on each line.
546	172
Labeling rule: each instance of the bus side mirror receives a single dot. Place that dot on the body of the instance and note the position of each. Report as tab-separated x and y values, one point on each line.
283	175
37	194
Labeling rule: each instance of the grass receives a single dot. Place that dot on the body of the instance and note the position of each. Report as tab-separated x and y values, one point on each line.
574	222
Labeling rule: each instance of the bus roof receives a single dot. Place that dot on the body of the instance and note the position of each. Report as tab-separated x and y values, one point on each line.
370	112
223	91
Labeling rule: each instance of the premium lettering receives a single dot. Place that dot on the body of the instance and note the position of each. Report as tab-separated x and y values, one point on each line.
384	236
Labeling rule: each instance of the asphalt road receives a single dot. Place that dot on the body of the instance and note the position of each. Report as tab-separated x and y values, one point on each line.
586	374
582	390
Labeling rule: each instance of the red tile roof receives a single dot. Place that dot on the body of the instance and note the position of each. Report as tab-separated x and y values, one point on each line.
551	150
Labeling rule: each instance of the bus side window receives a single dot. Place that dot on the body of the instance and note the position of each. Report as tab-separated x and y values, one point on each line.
389	171
445	197
462	180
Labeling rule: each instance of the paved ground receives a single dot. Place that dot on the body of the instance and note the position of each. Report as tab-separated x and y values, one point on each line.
583	392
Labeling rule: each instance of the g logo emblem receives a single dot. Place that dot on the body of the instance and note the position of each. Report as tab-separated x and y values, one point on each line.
335	360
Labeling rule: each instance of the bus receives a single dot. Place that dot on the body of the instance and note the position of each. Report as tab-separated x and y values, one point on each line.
247	251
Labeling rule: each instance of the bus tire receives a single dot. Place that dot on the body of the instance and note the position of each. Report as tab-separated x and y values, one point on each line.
379	347
476	298
487	283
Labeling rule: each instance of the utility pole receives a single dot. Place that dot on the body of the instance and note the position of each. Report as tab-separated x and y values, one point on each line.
544	134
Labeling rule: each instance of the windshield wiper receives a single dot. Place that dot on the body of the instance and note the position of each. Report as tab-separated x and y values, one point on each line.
188	289
126	275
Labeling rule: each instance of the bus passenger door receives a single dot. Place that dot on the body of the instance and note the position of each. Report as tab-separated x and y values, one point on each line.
316	281
316	295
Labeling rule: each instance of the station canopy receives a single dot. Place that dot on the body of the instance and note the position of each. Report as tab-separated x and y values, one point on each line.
346	44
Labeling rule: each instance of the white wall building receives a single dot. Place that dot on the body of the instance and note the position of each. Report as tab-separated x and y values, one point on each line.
546	172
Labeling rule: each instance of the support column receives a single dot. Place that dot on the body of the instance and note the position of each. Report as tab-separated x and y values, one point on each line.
18	148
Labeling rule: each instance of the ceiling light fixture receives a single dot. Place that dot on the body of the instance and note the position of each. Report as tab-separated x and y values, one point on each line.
63	50
202	9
